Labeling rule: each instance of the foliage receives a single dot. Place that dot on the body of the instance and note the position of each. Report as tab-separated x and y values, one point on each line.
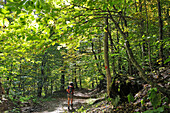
15	110
167	60
115	101
154	97
81	109
130	98
158	110
45	40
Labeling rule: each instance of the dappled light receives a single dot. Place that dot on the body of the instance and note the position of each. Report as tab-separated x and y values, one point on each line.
84	56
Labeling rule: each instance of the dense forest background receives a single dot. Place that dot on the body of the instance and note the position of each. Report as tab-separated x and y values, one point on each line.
113	44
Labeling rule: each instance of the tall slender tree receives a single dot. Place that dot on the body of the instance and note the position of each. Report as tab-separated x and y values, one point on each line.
160	32
106	57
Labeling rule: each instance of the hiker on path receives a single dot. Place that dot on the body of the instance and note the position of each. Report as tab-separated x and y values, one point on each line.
70	92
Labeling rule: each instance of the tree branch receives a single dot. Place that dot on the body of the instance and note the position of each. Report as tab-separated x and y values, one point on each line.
136	64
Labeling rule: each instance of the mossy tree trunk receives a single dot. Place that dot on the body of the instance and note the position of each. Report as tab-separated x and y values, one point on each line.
106	58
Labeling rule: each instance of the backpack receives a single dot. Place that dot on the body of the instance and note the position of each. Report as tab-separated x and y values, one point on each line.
70	89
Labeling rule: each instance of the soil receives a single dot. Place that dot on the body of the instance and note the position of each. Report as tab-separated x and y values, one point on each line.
58	106
58	103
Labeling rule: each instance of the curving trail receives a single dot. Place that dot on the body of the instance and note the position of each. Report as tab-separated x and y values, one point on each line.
59	105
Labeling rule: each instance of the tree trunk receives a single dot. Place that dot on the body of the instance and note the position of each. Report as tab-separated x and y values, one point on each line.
20	74
75	81
160	33
119	60
46	80
141	35
75	78
80	78
136	64
129	66
46	85
112	51
106	58
2	91
98	66
92	83
62	80
147	34
40	81
51	92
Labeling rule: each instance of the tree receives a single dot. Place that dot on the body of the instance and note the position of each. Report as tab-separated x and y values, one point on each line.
30	29
160	32
106	58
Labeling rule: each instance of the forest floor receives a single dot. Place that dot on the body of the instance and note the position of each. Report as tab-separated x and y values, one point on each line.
58	103
95	101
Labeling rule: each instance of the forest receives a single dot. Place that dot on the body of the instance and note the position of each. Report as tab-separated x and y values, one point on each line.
116	52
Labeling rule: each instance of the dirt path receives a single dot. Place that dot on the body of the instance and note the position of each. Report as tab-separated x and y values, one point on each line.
54	106
59	105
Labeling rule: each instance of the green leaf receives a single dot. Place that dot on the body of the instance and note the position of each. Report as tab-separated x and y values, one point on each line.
114	54
4	11
154	97
158	110
167	60
105	6
130	98
142	102
111	2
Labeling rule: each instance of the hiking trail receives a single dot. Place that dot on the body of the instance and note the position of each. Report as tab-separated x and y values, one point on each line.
58	104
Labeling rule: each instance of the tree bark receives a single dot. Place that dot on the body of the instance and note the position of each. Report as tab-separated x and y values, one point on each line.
106	58
75	77
160	33
80	78
141	35
46	83
119	60
75	81
98	66
62	79
2	91
112	51
129	65
52	81
40	81
147	34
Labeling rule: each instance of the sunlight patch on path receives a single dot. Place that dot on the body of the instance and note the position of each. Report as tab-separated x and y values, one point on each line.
60	106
